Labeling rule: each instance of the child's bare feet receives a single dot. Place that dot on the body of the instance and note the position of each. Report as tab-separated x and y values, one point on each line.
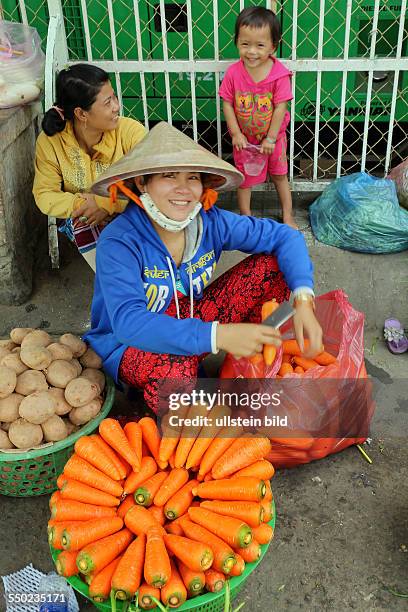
289	220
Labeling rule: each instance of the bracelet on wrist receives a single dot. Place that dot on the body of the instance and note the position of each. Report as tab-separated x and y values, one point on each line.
270	140
304	298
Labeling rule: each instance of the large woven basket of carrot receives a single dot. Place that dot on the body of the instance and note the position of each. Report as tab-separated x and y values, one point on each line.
34	472
140	521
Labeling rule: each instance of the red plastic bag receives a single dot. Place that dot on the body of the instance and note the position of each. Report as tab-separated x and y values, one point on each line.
343	337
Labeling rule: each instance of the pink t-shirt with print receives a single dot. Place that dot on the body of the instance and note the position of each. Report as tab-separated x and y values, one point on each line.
254	102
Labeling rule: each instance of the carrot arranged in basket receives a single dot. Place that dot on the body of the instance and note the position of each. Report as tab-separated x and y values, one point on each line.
71	510
216	449
53	499
170	433
240	454
78	536
250	512
306	364
145	596
79	469
286	368
157	569
127	503
100	585
268	509
180	502
268	493
233	531
269	350
66	563
87	448
206	436
325	358
239	567
176	479
55	532
133	432
118	462
73	489
224	556
263	534
260	469
158	513
152	439
134	480
113	434
128	573
194	581
244	488
174	527
145	493
214	581
189	434
97	555
196	555
292	347
139	520
174	593
251	553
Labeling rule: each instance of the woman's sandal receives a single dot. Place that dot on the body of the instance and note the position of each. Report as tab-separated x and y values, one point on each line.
397	341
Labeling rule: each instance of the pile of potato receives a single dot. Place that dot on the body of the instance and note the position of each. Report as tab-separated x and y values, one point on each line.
48	389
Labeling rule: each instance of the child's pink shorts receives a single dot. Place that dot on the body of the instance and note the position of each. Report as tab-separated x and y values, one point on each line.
277	163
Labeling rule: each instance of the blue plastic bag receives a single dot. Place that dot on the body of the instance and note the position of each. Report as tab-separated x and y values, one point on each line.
360	213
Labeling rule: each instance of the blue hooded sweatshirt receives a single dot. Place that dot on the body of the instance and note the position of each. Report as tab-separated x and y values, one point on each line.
136	279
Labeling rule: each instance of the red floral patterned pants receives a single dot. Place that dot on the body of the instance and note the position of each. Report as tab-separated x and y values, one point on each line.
235	297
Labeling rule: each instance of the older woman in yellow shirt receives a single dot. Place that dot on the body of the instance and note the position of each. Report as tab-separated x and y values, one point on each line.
82	136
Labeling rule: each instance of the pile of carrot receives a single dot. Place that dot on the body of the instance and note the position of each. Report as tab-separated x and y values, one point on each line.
161	519
294	362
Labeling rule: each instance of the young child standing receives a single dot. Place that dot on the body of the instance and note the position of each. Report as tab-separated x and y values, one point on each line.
255	92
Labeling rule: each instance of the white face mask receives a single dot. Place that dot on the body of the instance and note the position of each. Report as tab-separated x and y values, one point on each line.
165	222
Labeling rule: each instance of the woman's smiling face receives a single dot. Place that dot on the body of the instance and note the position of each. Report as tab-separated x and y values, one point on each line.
174	193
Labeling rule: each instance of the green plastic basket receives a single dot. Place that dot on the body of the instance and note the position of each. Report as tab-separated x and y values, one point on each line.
210	602
35	472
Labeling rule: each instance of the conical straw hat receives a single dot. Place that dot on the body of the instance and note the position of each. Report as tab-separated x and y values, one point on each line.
166	148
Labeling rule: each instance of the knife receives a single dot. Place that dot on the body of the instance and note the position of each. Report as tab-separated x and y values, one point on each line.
280	315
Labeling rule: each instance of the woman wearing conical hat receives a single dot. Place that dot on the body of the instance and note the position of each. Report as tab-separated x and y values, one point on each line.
154	312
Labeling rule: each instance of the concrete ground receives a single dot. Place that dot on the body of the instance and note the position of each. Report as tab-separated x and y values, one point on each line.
341	539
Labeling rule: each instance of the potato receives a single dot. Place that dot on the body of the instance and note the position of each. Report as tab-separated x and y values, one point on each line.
31	381
19	333
37	407
62	406
77	345
5	442
95	376
24	434
38	337
83	414
78	366
60	372
7	344
9	407
71	428
90	359
54	429
16	350
13	361
80	392
60	351
36	357
8	381
4	352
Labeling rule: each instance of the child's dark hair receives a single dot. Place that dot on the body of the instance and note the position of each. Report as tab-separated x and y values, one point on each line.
259	17
75	86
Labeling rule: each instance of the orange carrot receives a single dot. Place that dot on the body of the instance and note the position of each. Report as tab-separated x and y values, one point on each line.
239	567
208	477
148	468
145	596
214	581
174	527
139	520
251	553
174	593
113	434
194	581
196	555
216	449
79	469
295	443
206	435
244	488
88	449
128	573
269	350
189	434
175	480
172	458
250	512
286	368
60	480
96	556
66	563
73	489
71	510
180	502
133	432
118	462
233	531
145	493
224	556
78	536
157	569
100	585
260	469
55	532
263	534
158	513
53	499
170	433
127	503
152	439
325	359
306	364
240	454
268	494
299	370
268	509
286	358
292	346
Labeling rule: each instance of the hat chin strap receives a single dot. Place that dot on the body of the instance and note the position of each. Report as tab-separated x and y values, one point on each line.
162	220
